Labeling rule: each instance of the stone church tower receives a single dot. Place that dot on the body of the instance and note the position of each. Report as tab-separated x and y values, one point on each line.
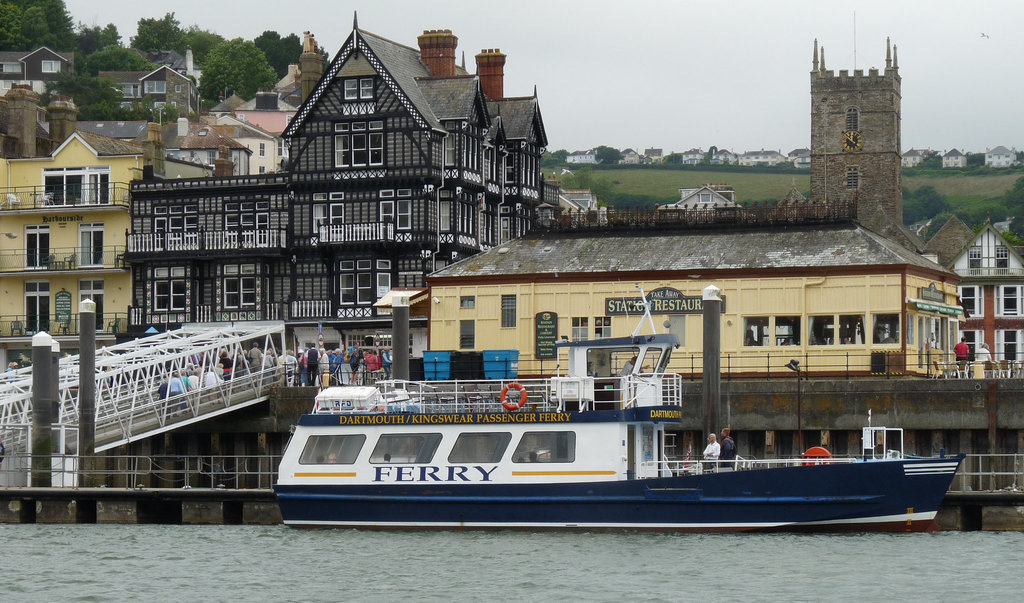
855	138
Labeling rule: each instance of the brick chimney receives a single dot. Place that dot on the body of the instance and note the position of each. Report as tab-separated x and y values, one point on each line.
490	68
22	108
311	65
153	150
223	166
437	51
63	117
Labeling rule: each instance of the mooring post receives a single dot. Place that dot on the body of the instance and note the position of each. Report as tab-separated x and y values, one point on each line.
86	391
400	336
42	402
712	376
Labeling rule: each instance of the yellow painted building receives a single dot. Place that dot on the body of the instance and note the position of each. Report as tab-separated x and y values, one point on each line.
63	221
837	297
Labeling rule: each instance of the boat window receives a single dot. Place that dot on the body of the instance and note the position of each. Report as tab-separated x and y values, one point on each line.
479	447
649	363
331	449
405	448
608	362
546	447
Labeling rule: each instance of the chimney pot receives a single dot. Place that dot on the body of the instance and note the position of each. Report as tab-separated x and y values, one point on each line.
490	68
437	51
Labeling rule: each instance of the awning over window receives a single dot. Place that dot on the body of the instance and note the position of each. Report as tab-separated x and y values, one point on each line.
923	305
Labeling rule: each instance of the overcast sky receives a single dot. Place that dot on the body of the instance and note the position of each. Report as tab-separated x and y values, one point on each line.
679	74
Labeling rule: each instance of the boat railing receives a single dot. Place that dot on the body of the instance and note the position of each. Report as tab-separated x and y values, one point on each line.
676	467
460	396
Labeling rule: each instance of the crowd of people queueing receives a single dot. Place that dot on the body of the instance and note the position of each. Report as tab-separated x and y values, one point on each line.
351	366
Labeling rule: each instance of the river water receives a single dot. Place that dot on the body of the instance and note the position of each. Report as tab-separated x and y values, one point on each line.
275	563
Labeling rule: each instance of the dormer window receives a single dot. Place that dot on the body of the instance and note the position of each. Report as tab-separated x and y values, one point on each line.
359	88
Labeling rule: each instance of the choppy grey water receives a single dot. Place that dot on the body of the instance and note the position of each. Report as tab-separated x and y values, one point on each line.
250	563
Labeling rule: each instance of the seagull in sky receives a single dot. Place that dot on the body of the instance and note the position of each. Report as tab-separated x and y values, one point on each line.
984	35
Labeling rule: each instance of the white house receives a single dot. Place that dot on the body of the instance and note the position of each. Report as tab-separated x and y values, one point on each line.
762	158
800	158
630	157
954	159
589	156
724	157
914	157
999	157
693	156
703	197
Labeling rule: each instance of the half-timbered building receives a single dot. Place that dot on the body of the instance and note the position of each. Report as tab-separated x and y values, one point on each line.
400	164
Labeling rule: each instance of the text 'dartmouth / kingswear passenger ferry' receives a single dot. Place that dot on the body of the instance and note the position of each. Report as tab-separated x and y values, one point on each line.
584	451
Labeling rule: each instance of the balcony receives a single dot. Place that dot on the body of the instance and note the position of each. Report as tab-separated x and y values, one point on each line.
63	259
46	197
368	232
990	272
109	323
208	242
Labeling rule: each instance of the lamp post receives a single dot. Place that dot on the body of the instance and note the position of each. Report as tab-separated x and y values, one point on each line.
794	365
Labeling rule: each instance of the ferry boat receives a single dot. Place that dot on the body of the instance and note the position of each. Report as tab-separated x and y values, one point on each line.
581	451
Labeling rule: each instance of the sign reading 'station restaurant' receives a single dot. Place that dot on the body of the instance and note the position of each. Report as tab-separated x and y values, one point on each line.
663	301
547	334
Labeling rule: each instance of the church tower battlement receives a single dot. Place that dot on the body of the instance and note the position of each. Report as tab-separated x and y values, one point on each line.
855	137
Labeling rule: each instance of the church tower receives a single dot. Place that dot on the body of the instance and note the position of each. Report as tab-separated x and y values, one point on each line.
855	138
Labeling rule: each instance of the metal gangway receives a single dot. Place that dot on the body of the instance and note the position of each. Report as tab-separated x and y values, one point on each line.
130	402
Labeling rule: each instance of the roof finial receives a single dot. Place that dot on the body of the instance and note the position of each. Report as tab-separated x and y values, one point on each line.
535	91
355	19
888	55
815	67
463	60
895	59
823	59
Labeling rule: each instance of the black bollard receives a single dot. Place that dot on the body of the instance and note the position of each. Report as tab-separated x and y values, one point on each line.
86	390
42	401
712	376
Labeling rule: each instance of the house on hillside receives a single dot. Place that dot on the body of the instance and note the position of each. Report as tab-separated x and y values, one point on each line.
163	84
724	157
692	157
201	143
267	111
653	155
267	150
185	65
914	157
586	157
800	158
1000	157
703	197
34	68
954	159
630	157
762	158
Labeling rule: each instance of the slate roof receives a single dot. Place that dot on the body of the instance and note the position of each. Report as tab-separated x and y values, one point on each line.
1000	150
953	153
404	64
451	97
518	116
105	145
196	138
950	241
229	104
250	105
812	246
15	56
125	130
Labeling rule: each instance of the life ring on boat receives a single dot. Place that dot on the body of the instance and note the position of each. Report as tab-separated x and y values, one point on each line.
817	455
513	406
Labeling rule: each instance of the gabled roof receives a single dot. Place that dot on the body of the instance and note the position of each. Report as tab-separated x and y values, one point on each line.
1000	150
250	105
691	198
228	104
124	130
236	128
200	136
68	57
102	145
953	153
950	241
455	97
522	118
795	248
170	58
913	153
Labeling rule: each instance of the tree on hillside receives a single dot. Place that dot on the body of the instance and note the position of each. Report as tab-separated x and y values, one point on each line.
931	159
158	34
607	155
115	58
45	23
92	39
560	155
673	158
96	98
975	159
584	179
238	67
201	42
10	27
922	204
280	52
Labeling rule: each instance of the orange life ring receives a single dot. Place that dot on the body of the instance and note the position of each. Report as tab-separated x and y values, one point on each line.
818	454
512	406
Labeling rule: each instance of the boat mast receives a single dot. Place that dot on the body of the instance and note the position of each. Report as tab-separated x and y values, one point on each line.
647	313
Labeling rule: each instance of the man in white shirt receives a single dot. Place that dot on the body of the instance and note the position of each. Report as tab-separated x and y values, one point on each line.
713	448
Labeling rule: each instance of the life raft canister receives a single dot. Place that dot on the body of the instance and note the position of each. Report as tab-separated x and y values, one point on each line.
817	455
513	406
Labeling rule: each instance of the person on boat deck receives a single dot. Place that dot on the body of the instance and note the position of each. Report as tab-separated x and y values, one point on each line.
628	367
728	450
713	448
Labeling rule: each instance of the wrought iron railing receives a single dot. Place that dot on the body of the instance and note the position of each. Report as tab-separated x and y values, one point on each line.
207	241
40	197
357	233
112	323
63	258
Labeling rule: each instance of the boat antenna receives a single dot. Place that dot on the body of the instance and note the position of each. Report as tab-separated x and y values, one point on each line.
647	313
